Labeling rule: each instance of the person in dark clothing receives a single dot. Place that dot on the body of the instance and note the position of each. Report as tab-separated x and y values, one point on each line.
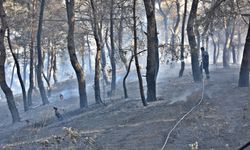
205	62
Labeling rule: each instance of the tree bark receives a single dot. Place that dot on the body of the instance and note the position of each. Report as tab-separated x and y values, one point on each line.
239	44
245	64
153	53
165	21
122	53
39	55
234	54
215	50
54	68
31	75
103	56
126	75
174	34
183	40
89	52
25	104
136	58
7	91
113	65
25	64
70	5
12	75
98	55
51	60
226	47
192	42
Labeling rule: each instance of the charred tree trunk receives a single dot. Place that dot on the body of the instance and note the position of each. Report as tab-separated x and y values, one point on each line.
126	75
25	64
55	69
113	64
192	42
245	64
98	55
39	55
7	91
153	53
136	58
70	5
31	75
234	54
183	40
12	75
25	104
51	60
48	84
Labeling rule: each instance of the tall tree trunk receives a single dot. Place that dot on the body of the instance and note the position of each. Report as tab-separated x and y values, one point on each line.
107	44
229	34
113	65
207	42
215	50
89	52
153	53
198	35
39	55
70	5
25	104
98	55
183	40
239	45
103	56
7	91
175	32
25	64
192	42
165	21
82	57
51	60
55	69
234	54
245	64
122	53
136	58
12	75
232	46
226	48
31	75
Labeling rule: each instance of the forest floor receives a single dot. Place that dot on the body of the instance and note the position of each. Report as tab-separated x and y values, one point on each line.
221	122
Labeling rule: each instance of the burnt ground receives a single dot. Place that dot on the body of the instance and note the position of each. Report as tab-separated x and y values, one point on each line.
221	122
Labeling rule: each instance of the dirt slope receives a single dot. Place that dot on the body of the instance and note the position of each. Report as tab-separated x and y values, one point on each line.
220	122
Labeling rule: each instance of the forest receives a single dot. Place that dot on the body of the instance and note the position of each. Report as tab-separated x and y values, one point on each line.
124	74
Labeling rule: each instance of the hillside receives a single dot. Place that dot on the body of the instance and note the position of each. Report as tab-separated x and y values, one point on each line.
220	122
